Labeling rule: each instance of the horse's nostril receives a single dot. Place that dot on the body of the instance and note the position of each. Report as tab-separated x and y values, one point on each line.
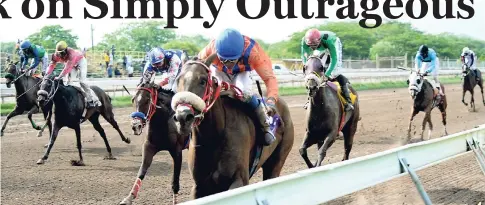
175	118
189	117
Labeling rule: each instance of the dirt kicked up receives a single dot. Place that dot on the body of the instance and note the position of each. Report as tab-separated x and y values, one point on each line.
385	115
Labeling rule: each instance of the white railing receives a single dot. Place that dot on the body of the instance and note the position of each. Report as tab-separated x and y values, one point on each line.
332	181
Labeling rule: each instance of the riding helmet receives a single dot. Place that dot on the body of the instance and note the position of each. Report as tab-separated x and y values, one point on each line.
423	50
156	55
229	44
312	37
25	44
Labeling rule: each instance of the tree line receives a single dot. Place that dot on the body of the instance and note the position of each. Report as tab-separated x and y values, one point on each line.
390	39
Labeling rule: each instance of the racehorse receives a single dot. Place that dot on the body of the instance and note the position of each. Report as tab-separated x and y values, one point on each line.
469	83
424	95
326	116
69	104
224	152
152	104
26	88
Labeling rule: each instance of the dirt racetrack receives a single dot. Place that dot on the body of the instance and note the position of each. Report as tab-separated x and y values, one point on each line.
385	115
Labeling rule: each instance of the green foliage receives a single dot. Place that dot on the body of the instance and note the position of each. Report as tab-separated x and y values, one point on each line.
48	36
136	36
390	39
190	47
7	47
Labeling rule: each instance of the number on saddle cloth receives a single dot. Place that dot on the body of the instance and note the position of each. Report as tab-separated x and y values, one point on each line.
274	121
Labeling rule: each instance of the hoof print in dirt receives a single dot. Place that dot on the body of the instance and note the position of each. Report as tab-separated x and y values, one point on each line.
77	163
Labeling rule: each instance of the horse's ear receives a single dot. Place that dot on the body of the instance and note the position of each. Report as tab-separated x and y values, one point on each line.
195	58
407	81
321	55
304	69
209	60
16	62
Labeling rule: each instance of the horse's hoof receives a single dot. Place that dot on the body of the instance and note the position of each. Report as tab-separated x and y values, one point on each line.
77	163
40	161
1	134
174	201
39	134
38	128
46	145
109	157
127	201
128	141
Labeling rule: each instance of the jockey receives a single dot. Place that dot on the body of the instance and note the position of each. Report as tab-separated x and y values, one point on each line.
426	54
237	56
321	41
74	62
468	58
36	52
161	60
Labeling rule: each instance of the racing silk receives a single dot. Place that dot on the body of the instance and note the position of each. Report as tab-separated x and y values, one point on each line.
172	65
253	58
37	53
73	58
430	58
327	41
468	59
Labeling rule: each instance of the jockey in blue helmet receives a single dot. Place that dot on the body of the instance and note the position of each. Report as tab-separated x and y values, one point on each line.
161	60
38	53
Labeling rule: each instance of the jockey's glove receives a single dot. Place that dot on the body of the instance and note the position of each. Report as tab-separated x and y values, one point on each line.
271	104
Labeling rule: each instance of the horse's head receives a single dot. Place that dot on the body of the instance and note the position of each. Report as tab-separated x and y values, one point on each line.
415	82
147	100
48	89
12	72
314	73
195	90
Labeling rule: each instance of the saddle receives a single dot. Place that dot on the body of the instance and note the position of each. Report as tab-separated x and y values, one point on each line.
87	113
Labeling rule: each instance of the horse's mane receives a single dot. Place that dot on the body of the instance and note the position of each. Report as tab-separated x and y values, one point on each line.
166	91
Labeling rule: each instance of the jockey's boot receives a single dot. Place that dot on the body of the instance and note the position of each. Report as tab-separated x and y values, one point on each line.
269	138
345	93
476	74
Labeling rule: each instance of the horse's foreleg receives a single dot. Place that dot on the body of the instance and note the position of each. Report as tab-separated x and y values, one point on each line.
79	147
425	120
472	101
34	109
322	152
307	142
414	112
15	112
481	89
47	118
52	140
430	127
463	97
148	153
177	166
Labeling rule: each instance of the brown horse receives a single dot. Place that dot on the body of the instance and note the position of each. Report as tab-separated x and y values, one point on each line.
469	83
152	104
424	100
224	141
326	116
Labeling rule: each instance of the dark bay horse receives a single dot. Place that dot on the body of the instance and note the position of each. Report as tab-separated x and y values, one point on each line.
424	100
69	106
224	133
326	116
26	88
469	83
152	104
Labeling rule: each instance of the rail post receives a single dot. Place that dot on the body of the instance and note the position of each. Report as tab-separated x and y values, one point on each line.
415	178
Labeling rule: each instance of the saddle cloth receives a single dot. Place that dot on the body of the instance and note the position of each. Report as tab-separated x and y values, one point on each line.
336	86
